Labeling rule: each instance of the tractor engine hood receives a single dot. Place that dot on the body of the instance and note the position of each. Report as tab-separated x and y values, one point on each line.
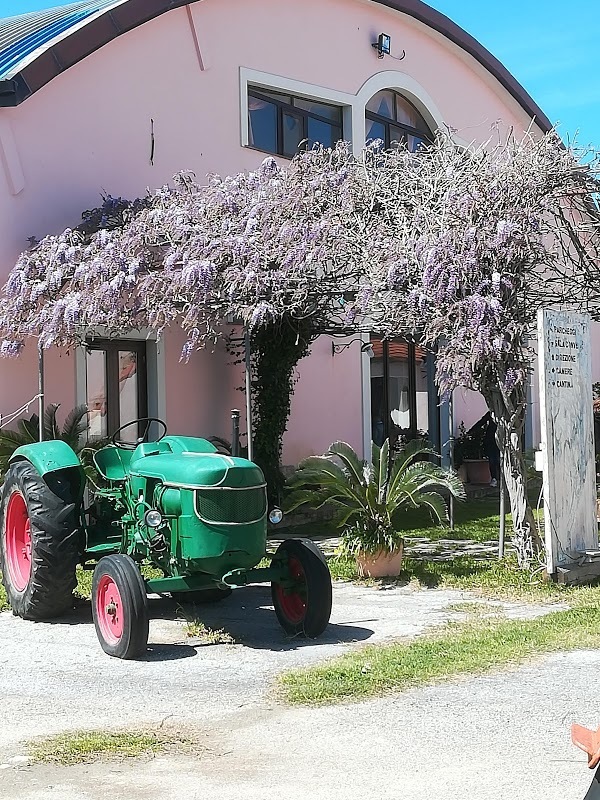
195	470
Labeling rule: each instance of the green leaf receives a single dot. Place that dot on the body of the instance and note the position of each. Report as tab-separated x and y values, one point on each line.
382	474
415	448
318	464
436	504
10	440
313	497
375	457
317	477
367	509
350	459
30	429
345	518
372	497
51	429
75	425
28	432
324	472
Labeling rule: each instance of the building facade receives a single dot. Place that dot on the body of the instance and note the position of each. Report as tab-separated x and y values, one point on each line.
114	97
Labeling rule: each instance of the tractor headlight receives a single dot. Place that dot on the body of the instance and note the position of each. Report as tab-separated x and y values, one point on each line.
275	516
153	518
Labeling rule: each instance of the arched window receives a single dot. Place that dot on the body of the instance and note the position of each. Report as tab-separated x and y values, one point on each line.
390	117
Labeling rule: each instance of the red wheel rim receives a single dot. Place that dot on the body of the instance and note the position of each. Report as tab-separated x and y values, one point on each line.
109	610
17	539
292	602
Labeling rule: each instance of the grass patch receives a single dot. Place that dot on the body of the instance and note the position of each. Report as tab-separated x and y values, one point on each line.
490	577
343	568
474	610
3	599
456	649
195	629
82	747
476	520
84	583
85	576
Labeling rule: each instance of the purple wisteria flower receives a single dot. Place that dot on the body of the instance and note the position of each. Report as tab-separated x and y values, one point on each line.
11	349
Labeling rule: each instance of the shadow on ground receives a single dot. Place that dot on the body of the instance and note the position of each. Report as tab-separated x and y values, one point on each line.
247	615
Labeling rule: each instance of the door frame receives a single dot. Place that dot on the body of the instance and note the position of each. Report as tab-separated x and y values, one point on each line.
437	409
155	369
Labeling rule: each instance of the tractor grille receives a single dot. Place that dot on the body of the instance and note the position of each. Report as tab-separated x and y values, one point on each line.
231	506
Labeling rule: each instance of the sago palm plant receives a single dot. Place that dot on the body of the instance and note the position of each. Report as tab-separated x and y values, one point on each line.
74	426
368	498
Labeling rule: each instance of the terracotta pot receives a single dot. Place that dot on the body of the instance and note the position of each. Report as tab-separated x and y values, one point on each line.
462	473
478	470
380	565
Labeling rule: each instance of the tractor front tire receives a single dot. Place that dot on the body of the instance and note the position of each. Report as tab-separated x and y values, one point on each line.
39	543
120	607
303	609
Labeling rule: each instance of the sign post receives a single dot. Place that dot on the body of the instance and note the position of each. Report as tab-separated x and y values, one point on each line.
567	441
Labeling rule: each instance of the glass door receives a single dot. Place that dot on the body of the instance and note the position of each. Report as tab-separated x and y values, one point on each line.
117	390
400	401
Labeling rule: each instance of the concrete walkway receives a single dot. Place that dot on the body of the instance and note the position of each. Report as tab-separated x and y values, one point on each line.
504	735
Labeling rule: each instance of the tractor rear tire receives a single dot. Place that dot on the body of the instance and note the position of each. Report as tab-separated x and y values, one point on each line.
305	609
39	542
120	607
200	596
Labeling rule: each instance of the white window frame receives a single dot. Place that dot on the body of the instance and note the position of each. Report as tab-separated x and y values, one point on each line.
251	79
353	105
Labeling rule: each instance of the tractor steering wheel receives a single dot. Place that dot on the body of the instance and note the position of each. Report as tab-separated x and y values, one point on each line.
124	445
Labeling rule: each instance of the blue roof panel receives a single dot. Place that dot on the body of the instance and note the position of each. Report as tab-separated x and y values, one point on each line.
22	36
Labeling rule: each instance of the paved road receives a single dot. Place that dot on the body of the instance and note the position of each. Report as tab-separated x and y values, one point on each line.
498	736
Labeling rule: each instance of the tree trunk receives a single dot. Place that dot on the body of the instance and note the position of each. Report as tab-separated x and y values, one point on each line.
277	347
509	415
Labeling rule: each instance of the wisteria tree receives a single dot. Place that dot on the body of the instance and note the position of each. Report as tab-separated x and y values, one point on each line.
276	249
493	233
458	247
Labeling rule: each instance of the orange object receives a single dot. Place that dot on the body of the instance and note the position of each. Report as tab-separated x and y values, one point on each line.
589	742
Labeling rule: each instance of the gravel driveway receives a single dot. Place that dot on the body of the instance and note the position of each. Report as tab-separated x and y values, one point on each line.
493	737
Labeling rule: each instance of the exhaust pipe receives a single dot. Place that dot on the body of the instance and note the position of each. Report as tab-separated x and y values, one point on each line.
235	433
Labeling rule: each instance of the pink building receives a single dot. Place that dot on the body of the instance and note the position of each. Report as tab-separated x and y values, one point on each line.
117	95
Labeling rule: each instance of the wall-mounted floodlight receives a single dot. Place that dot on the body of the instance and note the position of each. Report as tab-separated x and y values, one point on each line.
383	45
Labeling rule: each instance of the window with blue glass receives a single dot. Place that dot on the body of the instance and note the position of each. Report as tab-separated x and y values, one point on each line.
282	124
391	118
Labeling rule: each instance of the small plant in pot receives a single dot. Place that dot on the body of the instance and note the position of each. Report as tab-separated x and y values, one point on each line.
368	498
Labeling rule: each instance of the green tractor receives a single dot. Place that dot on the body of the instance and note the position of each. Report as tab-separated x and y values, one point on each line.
174	503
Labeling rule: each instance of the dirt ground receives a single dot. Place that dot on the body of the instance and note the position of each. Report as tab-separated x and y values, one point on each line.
492	737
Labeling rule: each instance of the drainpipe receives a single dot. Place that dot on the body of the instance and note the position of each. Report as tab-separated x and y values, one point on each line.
248	394
451	452
502	534
41	391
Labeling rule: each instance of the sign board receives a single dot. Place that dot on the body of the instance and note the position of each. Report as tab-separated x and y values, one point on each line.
567	433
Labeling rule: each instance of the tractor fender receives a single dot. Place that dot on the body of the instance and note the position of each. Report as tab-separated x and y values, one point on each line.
51	457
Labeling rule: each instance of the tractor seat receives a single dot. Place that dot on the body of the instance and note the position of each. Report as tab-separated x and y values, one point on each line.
112	462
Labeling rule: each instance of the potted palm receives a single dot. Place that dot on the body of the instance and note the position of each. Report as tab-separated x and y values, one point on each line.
368	498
